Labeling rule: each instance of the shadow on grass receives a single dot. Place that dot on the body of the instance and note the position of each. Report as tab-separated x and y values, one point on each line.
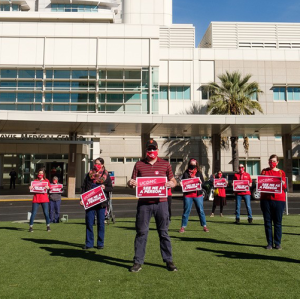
291	234
14	228
132	228
249	256
214	241
50	242
237	224
92	256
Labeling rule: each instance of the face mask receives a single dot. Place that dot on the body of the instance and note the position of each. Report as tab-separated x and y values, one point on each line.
40	176
220	175
55	181
97	167
152	155
242	169
272	164
191	167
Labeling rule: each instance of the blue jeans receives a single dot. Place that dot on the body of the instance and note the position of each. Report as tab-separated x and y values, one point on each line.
54	211
35	206
272	212
89	222
247	199
187	206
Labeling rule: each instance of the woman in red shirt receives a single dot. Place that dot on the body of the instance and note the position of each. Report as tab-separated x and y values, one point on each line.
272	205
220	197
40	198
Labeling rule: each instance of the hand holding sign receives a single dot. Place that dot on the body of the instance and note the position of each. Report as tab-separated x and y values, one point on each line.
220	183
269	184
192	184
39	187
151	187
92	197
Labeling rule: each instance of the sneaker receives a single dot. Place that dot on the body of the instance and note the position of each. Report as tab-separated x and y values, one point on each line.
136	267
250	220
100	247
205	229
171	266
48	228
237	220
221	215
269	247
30	229
212	215
278	247
182	230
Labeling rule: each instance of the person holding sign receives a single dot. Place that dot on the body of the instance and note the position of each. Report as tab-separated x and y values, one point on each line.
40	186
272	205
156	175
98	176
191	196
243	194
219	195
55	201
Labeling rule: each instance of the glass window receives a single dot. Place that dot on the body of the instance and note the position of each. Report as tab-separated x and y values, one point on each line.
254	97
10	85
48	97
79	97
133	74
173	90
114	85
132	85
252	166
58	85
293	93
39	74
279	94
26	85
49	85
38	97
163	92
205	93
92	74
7	97
39	85
102	74
61	74
25	97
186	93
61	97
27	74
80	74
102	98
8	73
129	98
114	108
7	107
114	98
114	74
15	7
49	74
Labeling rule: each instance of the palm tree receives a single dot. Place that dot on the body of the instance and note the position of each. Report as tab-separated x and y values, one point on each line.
234	96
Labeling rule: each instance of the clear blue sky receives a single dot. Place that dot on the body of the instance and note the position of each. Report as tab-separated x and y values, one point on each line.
201	12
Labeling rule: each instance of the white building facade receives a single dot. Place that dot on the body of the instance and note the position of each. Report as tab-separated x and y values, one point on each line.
126	59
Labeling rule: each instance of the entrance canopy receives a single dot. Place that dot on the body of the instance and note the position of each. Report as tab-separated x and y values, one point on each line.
96	125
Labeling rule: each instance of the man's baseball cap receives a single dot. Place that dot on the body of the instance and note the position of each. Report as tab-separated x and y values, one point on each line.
151	144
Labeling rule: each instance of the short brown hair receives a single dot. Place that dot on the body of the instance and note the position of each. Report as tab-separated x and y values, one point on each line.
274	156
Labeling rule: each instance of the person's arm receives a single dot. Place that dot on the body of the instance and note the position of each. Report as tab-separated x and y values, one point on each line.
132	182
171	183
107	186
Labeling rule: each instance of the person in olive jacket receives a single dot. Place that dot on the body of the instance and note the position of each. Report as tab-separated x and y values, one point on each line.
193	196
98	176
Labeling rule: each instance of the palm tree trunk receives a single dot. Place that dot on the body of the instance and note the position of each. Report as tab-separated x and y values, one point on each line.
235	153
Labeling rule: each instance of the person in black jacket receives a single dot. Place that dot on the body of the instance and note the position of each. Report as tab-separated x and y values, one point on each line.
193	196
98	176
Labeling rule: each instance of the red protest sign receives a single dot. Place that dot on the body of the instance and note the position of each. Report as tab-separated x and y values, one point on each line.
150	187
241	185
269	184
112	180
220	183
38	187
192	184
93	197
56	188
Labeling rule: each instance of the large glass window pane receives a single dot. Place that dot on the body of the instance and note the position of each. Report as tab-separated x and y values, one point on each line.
27	74
61	97
132	85
186	93
114	74
25	97
79	97
114	108
173	90
57	85
39	85
61	74
179	92
8	107
132	108
114	98
132	98
48	97
297	93
26	85
114	85
102	98
38	97
49	74
8	73
92	85
92	98
290	92
80	74
39	74
7	97
282	94
163	92
92	74
82	108
10	85
135	74
60	107
49	85
102	74
15	7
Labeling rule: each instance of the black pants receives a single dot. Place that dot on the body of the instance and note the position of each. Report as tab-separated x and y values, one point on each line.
12	183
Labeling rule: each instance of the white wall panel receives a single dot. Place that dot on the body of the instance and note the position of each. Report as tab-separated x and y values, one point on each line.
115	52
145	52
133	52
58	51
206	71
163	72
102	51
180	72
84	51
154	52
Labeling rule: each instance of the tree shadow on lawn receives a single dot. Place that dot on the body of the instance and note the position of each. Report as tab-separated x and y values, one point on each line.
215	241
92	256
132	228
237	224
249	256
291	234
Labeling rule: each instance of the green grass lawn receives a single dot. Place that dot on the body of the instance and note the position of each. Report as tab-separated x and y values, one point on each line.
227	262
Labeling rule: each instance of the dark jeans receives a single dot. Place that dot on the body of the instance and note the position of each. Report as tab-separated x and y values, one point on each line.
247	199
12	183
35	206
143	216
170	206
272	212
89	222
54	211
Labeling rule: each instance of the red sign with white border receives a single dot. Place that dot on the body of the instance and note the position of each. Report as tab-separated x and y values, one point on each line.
220	183
93	197
241	185
192	184
39	187
269	184
151	187
56	188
